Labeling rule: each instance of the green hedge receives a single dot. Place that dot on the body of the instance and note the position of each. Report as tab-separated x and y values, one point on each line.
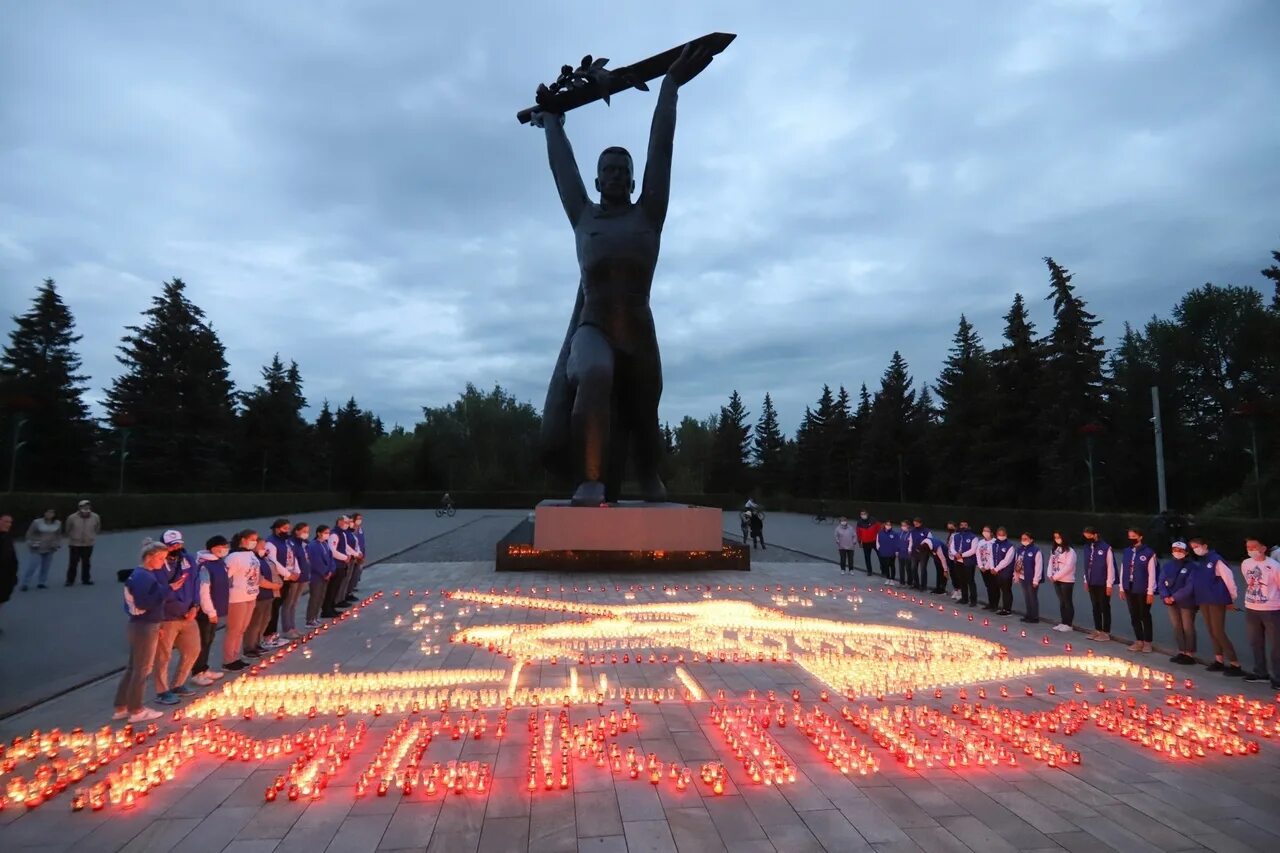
122	512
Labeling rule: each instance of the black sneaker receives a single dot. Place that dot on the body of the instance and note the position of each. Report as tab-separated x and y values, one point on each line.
1254	678
88	583
1216	666
235	666
1234	671
1004	612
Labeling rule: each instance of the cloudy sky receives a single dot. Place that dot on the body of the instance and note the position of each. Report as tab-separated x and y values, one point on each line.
345	182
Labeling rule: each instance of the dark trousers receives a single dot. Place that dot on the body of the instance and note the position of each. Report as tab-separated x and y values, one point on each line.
1139	616
1183	621
965	582
940	584
1262	628
356	570
1215	619
1005	585
273	621
846	559
206	629
337	582
316	597
867	551
910	571
1066	602
920	570
1031	600
80	555
887	567
992	583
1101	603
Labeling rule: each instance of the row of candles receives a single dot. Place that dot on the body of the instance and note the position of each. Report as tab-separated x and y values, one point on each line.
744	731
88	753
323	754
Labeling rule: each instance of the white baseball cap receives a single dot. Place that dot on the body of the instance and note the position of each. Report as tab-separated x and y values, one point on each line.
1181	546
171	537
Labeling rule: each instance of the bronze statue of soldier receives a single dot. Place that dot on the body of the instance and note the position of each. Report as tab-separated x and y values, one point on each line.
602	403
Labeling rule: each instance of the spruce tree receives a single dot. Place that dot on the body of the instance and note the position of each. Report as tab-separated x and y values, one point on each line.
890	437
769	449
729	449
861	417
1014	472
42	391
1071	392
273	434
353	438
840	441
176	398
1124	465
965	408
1273	272
322	449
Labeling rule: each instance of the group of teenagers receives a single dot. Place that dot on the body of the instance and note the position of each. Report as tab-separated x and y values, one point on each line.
1195	580
250	584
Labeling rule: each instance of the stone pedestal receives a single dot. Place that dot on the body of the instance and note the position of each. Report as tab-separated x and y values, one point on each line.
626	536
627	526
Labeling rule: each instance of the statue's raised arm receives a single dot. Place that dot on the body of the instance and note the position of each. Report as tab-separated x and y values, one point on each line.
655	192
564	167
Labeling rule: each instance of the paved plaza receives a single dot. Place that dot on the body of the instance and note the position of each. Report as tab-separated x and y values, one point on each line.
951	734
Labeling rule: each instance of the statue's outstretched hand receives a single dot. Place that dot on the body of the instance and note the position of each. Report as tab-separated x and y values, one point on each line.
539	117
689	64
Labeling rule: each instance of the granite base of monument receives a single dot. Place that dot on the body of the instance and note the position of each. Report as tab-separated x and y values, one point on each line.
619	537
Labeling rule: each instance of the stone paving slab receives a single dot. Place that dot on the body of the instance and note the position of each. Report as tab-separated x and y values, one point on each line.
1120	797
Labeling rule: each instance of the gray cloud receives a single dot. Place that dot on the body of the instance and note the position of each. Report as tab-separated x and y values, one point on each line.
847	180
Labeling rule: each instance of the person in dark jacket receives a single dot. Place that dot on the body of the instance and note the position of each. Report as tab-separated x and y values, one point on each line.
1216	593
148	592
179	629
320	561
215	599
8	559
1178	594
887	549
757	530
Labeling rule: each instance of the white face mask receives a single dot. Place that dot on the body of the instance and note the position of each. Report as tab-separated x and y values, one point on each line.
1200	552
1257	554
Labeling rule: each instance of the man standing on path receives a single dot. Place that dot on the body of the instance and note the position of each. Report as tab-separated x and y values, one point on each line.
845	536
178	626
82	529
335	593
356	534
868	527
964	563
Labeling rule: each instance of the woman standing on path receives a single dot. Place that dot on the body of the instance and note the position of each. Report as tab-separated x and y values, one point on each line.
44	538
1029	571
243	575
1215	589
1062	571
1178	594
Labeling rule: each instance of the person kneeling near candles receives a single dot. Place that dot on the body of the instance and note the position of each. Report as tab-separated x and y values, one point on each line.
146	592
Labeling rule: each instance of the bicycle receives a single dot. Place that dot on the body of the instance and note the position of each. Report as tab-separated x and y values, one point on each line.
819	518
442	511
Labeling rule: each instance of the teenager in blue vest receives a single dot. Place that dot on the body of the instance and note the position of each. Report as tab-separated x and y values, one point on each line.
1099	578
146	592
887	549
921	550
1215	587
940	587
282	561
356	534
215	597
1028	571
320	561
179	629
938	556
1004	551
302	579
985	566
964	562
1177	591
1137	584
905	576
335	593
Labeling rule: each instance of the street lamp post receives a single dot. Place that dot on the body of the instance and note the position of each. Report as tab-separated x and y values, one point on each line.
1090	430
18	444
1159	433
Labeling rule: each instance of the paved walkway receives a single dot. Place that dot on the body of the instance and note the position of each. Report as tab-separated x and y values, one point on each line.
1120	796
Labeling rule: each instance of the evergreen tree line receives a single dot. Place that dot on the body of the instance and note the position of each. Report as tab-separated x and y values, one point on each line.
175	420
1018	423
